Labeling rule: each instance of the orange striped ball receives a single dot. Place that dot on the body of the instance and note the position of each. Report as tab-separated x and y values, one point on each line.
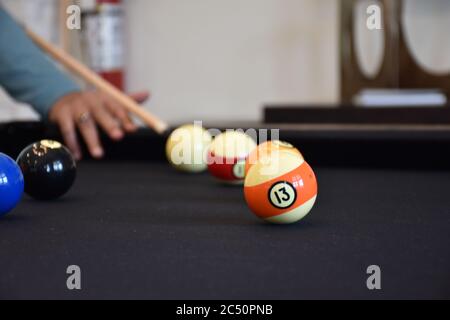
281	188
265	148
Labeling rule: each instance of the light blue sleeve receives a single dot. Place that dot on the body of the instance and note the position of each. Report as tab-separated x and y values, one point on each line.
26	73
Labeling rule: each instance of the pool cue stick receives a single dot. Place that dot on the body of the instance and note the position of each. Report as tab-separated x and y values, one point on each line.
95	80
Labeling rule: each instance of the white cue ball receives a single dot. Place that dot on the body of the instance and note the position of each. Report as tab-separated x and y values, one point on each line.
186	148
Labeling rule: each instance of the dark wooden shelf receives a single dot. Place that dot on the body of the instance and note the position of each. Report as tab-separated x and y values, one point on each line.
354	115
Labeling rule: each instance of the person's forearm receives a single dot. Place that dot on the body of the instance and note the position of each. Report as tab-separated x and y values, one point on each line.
26	73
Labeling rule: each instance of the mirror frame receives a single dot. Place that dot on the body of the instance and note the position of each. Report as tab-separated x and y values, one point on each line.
399	68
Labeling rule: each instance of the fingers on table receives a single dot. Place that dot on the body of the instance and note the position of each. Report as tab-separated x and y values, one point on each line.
95	108
102	115
120	113
68	131
86	126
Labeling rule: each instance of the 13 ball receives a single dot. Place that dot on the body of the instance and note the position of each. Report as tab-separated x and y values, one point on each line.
281	188
266	148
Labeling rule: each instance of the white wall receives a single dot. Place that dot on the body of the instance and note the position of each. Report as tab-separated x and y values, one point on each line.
224	59
221	59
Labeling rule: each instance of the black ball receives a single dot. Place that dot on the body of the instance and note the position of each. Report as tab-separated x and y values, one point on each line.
48	168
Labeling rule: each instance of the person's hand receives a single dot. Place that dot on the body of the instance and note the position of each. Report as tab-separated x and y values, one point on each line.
88	110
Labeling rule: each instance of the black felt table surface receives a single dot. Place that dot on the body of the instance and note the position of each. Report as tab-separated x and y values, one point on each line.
144	231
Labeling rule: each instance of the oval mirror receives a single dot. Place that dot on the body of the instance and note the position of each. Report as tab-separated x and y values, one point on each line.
369	44
426	26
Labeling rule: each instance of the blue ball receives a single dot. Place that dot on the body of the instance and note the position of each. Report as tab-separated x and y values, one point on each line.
11	184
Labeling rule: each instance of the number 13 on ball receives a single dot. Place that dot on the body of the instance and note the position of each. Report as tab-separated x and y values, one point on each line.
281	188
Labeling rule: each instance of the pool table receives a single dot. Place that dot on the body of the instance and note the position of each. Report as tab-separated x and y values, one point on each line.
140	230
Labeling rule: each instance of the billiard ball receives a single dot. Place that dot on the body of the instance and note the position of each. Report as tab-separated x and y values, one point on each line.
186	148
265	149
227	155
48	168
11	184
280	188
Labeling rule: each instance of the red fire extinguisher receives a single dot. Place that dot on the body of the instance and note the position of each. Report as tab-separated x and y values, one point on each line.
104	37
